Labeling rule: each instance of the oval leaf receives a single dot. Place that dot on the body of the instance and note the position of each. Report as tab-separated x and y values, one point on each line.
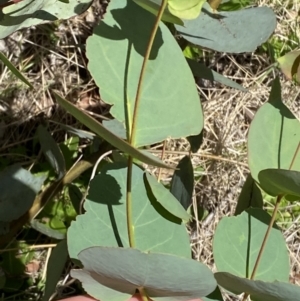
234	32
111	138
52	151
259	290
237	242
156	273
182	184
106	204
166	198
280	182
116	51
274	136
28	13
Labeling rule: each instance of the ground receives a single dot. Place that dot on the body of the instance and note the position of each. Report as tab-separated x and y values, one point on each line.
51	57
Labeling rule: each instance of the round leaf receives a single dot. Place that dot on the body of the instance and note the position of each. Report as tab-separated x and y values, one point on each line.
170	103
235	32
164	277
280	182
259	290
105	223
237	242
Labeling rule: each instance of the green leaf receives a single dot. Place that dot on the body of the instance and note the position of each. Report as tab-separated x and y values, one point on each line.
76	196
100	130
250	196
53	228
259	290
274	136
186	9
195	142
69	149
216	295
58	210
156	273
170	105
290	65
104	222
280	181
14	262
18	189
52	151
200	70
237	242
80	133
234	32
55	267
14	70
166	198
28	13
116	127
153	7
182	184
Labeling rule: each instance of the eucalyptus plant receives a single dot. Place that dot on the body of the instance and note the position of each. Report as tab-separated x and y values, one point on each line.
132	235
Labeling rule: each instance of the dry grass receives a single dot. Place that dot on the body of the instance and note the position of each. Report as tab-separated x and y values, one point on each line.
52	57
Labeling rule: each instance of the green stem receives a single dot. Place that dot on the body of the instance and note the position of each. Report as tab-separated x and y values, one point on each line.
264	241
143	71
130	226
